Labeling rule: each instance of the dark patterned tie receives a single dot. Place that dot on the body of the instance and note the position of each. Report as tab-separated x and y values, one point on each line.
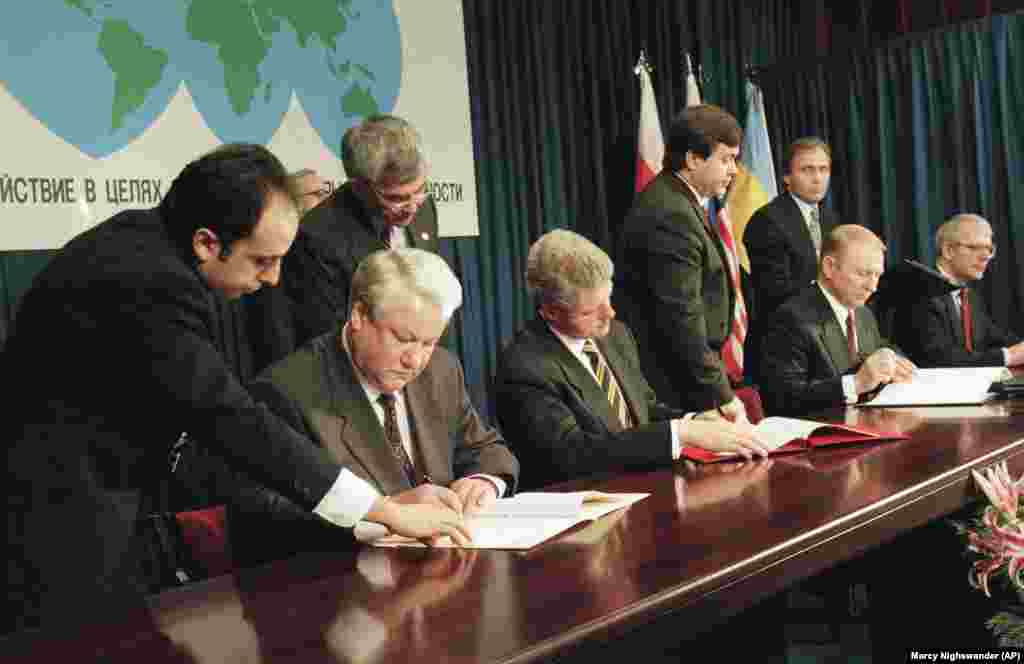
965	319
394	437
608	384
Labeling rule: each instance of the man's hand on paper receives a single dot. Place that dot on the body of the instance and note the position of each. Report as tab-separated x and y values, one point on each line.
721	435
1015	355
474	493
904	370
734	411
426	513
880	367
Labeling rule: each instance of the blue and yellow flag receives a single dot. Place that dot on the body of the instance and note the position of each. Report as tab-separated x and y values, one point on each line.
754	184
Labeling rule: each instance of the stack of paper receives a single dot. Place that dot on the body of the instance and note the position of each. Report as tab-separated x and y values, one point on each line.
942	386
526	520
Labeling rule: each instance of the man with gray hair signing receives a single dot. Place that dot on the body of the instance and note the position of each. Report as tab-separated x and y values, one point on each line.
570	392
377	393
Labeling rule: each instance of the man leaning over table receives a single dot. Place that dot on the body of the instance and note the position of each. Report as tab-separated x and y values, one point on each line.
561	420
822	348
378	396
932	330
125	314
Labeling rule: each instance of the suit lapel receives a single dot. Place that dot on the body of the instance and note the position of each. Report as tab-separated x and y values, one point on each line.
832	337
711	233
954	318
796	228
430	430
356	426
577	376
631	392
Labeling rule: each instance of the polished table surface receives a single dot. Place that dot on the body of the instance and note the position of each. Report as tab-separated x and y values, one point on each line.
710	541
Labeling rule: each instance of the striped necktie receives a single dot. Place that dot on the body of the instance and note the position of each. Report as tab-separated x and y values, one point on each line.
608	384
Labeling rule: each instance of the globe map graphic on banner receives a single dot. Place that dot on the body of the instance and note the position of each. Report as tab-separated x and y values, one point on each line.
98	73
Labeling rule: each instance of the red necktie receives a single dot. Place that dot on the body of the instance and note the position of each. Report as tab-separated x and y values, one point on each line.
965	318
851	336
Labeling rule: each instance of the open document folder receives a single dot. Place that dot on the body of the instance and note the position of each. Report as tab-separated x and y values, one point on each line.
781	435
527	519
944	386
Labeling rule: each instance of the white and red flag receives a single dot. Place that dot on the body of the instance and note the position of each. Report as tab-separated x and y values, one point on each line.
650	149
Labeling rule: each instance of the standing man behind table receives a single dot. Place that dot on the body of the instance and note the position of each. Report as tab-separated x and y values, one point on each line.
385	203
124	314
784	237
570	393
935	332
822	348
674	287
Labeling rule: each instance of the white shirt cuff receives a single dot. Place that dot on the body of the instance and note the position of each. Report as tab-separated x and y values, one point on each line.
1006	357
850	388
676	430
498	483
347	501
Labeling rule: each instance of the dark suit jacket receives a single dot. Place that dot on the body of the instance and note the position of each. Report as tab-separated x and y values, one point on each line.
674	291
316	275
115	352
316	390
931	334
804	354
782	258
558	420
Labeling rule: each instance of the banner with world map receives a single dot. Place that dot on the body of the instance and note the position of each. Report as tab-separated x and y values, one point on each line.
102	102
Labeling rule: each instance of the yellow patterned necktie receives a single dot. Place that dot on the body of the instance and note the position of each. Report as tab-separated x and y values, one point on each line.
608	384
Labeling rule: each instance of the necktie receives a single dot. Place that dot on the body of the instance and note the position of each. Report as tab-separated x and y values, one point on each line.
851	336
815	229
608	384
965	319
394	437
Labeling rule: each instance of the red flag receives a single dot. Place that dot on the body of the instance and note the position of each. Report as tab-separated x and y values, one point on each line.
650	149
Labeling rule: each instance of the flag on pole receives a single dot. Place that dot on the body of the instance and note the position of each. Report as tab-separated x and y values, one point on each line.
650	150
732	349
754	184
692	91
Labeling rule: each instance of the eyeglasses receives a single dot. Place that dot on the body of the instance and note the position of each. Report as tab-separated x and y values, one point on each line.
987	249
399	201
323	192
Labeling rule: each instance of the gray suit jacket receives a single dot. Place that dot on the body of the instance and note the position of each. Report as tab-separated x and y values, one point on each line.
674	291
316	390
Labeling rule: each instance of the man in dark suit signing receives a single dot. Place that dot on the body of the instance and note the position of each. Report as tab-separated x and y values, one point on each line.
570	392
378	396
822	348
674	288
932	330
124	319
385	203
783	238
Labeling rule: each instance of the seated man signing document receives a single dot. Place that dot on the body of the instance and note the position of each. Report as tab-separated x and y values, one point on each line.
822	348
570	393
381	398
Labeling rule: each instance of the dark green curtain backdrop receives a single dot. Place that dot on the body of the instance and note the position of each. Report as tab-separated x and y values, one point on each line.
921	126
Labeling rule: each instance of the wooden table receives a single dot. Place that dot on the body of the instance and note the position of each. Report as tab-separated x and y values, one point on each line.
709	542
